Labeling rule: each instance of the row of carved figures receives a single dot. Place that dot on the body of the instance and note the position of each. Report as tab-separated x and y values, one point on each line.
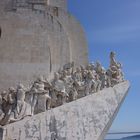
68	84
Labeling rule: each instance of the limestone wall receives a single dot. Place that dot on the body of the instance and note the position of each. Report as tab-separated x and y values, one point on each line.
58	3
32	4
88	118
78	43
76	36
38	42
31	45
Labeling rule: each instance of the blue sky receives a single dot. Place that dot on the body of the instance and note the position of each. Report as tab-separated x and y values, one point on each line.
115	25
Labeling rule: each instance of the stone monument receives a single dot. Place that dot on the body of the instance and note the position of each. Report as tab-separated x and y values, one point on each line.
37	38
48	90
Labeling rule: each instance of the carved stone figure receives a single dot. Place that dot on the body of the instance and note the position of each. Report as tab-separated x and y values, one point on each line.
59	89
4	101
103	79
73	94
51	93
108	78
11	100
98	67
113	61
40	99
114	74
22	109
90	82
2	114
115	70
98	83
92	66
79	84
69	66
83	72
61	73
102	74
9	103
70	89
78	75
66	86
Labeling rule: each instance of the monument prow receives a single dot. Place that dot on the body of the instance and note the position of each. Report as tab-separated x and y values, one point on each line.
88	118
58	94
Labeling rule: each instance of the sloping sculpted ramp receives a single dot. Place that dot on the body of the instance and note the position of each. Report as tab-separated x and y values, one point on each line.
88	118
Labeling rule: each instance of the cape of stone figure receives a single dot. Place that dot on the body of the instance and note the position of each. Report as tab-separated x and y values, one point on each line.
37	37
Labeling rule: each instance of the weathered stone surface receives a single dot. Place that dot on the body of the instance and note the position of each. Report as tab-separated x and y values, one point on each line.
37	40
88	118
59	3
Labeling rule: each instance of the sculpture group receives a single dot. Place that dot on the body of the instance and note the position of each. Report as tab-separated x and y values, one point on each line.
68	84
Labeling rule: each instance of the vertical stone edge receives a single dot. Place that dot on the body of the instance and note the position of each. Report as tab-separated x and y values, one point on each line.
104	132
2	133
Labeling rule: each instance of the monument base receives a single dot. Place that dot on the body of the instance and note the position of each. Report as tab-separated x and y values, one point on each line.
88	118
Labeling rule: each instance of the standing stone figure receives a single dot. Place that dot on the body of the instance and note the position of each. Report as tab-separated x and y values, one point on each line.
70	89
40	99
100	70
113	75
98	83
113	61
22	109
59	90
79	82
2	114
11	99
115	70
5	106
78	76
90	81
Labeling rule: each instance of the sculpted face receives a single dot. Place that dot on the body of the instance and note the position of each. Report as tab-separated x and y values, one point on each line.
78	69
11	89
3	93
56	75
20	86
112	54
40	79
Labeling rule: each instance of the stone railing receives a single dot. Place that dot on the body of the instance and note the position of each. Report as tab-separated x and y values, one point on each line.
68	84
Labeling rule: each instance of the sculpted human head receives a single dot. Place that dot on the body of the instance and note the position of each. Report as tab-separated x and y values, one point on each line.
11	89
112	54
64	73
78	69
68	71
82	67
20	86
92	65
3	93
113	68
98	64
89	67
56	75
40	79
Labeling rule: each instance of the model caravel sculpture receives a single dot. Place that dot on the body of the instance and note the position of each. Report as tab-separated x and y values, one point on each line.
74	83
